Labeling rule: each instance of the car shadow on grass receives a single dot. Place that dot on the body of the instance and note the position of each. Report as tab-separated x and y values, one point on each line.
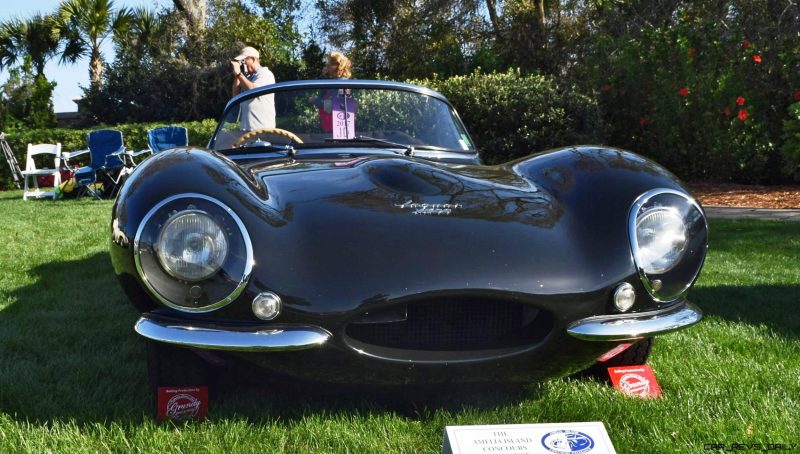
68	347
69	353
775	307
257	394
744	255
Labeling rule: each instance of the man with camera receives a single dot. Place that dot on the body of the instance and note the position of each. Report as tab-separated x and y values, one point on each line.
259	112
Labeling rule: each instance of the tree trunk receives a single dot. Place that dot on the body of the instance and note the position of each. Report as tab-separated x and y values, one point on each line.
194	15
491	6
542	23
39	67
540	8
96	66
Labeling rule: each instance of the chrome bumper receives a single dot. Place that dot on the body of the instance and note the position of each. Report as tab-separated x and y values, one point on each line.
231	338
636	326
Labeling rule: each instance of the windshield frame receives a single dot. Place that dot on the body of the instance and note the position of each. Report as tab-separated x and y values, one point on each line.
341	83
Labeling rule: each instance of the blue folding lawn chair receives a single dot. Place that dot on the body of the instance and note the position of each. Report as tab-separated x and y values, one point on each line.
158	139
166	137
105	148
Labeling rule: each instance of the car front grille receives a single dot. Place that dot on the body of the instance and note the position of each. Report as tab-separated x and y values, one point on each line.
452	325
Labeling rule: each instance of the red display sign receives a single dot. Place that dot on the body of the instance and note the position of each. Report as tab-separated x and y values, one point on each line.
182	403
638	381
614	352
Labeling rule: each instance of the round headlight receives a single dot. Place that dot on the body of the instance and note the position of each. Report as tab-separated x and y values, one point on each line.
661	239
669	238
192	246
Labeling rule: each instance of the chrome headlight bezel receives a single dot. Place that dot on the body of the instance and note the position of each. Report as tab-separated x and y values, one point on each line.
671	282
216	290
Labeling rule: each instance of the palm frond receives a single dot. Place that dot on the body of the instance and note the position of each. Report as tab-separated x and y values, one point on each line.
74	48
11	37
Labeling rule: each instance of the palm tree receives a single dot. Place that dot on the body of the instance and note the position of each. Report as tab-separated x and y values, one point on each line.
147	35
85	25
33	37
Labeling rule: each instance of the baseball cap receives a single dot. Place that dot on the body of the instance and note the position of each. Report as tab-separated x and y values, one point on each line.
247	52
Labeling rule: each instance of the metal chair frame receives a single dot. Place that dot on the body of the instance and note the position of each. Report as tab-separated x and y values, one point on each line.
16	171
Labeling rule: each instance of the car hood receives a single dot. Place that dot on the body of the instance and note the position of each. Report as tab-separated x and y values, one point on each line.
380	228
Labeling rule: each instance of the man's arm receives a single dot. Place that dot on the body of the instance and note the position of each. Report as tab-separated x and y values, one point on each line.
236	88
243	82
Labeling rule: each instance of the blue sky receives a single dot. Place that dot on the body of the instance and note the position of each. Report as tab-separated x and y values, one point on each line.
67	77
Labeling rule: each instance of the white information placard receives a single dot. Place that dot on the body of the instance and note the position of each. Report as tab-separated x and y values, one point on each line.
558	438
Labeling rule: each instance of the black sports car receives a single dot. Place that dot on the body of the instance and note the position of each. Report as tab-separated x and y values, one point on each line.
348	233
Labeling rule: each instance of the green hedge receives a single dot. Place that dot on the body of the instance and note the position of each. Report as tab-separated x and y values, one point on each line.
510	115
134	136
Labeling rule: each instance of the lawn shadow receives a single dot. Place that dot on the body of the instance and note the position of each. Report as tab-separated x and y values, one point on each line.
68	346
256	395
743	256
774	306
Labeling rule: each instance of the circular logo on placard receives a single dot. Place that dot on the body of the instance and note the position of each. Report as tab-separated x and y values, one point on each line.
183	406
635	385
567	442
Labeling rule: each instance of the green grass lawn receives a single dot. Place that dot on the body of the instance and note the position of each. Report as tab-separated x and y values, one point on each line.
72	370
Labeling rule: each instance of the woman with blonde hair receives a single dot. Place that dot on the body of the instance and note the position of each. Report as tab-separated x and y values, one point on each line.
338	67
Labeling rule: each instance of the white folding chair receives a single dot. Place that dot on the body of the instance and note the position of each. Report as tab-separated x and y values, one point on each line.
33	173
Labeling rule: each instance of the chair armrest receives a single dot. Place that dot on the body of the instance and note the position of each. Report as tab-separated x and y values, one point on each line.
67	155
127	152
118	153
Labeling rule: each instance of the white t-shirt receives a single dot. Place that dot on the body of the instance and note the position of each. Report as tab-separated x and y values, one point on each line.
259	113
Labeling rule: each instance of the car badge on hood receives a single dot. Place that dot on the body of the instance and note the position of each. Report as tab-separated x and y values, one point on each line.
435	209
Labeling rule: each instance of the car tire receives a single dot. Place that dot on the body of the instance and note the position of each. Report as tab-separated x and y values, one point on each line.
635	355
168	365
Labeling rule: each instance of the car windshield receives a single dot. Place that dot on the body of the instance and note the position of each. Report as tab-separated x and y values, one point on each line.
350	115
